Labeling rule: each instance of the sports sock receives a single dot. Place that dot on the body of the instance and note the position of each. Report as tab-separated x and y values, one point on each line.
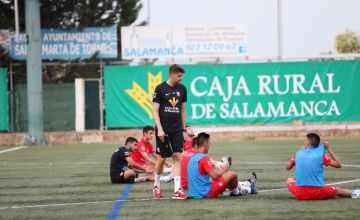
157	180
164	178
236	191
177	180
167	170
245	184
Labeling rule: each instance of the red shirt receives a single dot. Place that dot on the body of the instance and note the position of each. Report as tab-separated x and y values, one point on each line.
205	166
142	146
185	157
187	145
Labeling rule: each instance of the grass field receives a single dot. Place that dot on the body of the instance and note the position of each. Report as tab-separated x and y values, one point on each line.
72	182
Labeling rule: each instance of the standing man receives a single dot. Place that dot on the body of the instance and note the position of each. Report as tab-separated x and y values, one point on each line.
170	119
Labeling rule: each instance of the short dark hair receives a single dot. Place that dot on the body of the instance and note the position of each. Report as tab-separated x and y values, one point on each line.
175	68
194	143
314	139
130	140
202	138
148	128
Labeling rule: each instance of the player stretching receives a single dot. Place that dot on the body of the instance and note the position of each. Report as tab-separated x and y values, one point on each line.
309	162
144	149
120	171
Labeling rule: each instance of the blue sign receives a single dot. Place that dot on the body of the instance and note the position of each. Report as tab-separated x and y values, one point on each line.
69	44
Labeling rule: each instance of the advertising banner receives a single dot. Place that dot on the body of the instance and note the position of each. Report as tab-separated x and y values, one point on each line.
183	41
251	93
69	44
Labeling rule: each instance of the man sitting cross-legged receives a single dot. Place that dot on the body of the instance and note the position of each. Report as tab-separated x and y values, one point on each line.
207	181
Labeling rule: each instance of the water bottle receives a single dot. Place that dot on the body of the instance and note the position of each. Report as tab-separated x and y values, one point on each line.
356	194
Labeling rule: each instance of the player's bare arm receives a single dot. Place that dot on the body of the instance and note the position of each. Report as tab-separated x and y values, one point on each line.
335	162
148	159
217	173
291	164
134	165
183	117
161	133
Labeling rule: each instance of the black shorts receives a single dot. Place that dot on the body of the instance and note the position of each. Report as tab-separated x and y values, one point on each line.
120	178
173	142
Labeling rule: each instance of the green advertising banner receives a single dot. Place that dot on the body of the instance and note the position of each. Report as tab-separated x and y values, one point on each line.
321	91
3	100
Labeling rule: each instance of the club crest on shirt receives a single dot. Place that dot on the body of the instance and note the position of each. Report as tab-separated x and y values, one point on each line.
178	94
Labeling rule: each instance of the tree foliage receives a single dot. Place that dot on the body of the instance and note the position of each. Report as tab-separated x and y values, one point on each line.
347	42
74	13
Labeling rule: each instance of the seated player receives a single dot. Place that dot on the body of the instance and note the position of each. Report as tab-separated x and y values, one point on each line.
207	181
185	157
309	162
144	149
187	154
188	138
123	168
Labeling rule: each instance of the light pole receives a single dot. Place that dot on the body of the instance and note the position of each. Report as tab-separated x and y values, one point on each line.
34	73
279	24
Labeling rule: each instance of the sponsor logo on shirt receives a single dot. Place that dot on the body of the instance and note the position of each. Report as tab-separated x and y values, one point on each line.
173	101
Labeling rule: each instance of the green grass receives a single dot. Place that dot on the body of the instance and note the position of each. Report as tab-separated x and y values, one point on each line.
63	174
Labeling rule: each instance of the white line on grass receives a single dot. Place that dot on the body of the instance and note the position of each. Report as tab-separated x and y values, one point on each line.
337	183
134	200
55	163
12	149
107	163
77	203
273	163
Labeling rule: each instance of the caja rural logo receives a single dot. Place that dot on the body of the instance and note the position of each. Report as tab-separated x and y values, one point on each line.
142	97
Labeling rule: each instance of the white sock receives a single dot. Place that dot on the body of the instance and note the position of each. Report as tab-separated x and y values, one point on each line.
167	170
236	191
177	180
164	178
157	180
245	184
245	190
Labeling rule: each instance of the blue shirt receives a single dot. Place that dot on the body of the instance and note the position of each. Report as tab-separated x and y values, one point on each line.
199	185
309	166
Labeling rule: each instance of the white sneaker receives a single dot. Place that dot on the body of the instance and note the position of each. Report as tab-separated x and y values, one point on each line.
166	178
167	170
140	179
356	194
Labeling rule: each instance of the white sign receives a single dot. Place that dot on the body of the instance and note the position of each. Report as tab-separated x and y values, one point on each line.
183	41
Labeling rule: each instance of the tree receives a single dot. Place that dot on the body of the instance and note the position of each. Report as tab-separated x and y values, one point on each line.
347	42
75	14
